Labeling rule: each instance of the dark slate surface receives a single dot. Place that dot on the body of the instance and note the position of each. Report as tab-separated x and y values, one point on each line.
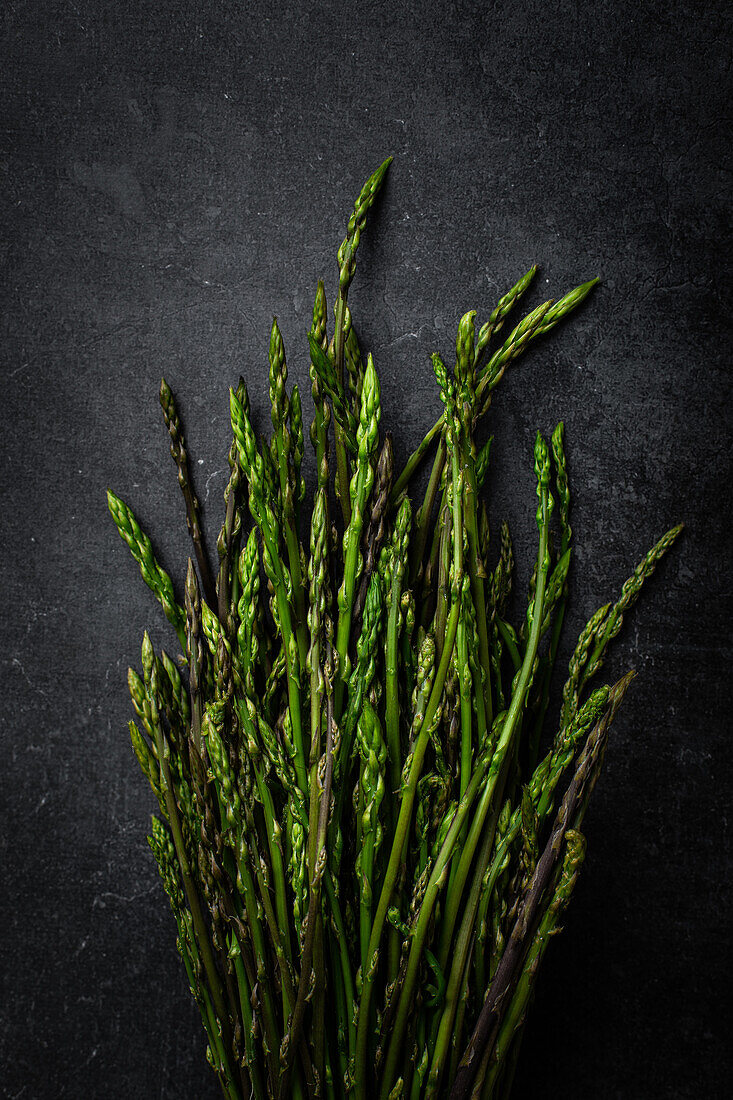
176	172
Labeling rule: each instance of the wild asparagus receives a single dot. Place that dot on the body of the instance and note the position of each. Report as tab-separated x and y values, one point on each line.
356	831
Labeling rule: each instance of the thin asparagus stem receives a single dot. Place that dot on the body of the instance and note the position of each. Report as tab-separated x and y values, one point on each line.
180	457
281	452
347	269
361	486
153	574
538	323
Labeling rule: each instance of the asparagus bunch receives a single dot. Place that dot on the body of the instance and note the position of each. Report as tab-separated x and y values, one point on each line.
368	829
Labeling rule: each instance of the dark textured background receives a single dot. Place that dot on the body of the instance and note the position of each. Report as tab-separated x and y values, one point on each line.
176	172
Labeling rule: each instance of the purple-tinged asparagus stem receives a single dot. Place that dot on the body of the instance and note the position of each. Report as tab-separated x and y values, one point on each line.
193	521
195	654
489	1019
509	1034
227	579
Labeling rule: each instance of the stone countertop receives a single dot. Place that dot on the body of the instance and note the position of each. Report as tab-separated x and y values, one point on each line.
177	173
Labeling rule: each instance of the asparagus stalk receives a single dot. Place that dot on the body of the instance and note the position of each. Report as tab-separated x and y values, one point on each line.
153	574
347	269
537	323
361	486
179	455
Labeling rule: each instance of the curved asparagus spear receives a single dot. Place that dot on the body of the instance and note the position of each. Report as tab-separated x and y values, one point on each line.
537	323
153	574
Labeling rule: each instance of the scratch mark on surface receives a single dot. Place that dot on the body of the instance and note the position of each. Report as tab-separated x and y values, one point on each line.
19	663
209	479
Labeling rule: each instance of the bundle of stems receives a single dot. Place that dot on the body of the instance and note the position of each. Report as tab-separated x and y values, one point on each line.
367	831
